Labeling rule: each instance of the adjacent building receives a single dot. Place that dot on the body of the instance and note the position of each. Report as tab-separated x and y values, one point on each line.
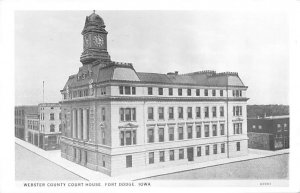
116	120
20	113
269	133
50	126
43	128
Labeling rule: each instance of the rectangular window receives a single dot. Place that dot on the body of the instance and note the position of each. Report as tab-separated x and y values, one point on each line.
160	91
128	161
150	113
161	113
150	91
122	138
150	135
128	137
215	148
180	133
199	151
205	92
198	112
161	156
237	110
214	92
171	112
190	132
133	90
127	89
222	129
102	90
122	114
197	92
223	148
190	112
189	92
121	90
127	114
161	134
103	114
221	92
221	111
206	130
181	153
180	112
180	92
171	134
198	131
206	112
171	154
238	146
237	128
103	137
170	91
214	128
51	116
133	114
151	157
207	150
214	111
134	137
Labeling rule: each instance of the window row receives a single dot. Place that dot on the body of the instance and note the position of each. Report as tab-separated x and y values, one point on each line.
188	92
169	133
127	114
189	112
78	93
188	153
127	90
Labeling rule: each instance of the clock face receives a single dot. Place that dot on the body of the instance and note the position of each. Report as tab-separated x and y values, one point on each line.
98	40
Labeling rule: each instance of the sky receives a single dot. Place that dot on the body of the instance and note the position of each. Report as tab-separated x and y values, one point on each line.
48	45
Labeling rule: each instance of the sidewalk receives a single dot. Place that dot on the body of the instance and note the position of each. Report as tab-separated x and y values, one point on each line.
90	175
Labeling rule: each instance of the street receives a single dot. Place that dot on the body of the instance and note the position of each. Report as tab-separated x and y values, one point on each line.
275	167
30	166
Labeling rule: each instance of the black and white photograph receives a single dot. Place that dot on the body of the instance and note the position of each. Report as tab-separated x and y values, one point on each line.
106	97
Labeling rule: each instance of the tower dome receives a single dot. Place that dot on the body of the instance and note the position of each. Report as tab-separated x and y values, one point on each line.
96	19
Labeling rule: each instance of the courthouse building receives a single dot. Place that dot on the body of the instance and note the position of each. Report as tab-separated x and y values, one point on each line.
116	120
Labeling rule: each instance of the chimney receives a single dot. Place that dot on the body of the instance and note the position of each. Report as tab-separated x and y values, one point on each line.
176	72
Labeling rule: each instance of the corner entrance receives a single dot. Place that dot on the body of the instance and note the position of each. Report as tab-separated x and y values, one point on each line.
190	154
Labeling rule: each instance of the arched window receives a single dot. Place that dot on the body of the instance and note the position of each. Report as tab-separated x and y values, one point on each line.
52	128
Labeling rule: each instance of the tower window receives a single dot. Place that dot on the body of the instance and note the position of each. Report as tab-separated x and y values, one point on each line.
170	91
160	91
180	92
189	92
150	90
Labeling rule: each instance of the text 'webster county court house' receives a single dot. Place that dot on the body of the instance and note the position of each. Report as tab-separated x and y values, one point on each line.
116	120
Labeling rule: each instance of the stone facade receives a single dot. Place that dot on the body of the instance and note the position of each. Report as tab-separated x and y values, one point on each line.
116	120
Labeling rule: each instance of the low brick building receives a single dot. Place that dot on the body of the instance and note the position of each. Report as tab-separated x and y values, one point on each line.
20	113
269	133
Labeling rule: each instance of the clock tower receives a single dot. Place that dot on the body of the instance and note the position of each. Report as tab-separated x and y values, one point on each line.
94	40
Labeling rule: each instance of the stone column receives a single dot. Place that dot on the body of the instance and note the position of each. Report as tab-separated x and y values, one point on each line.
74	123
85	124
79	126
